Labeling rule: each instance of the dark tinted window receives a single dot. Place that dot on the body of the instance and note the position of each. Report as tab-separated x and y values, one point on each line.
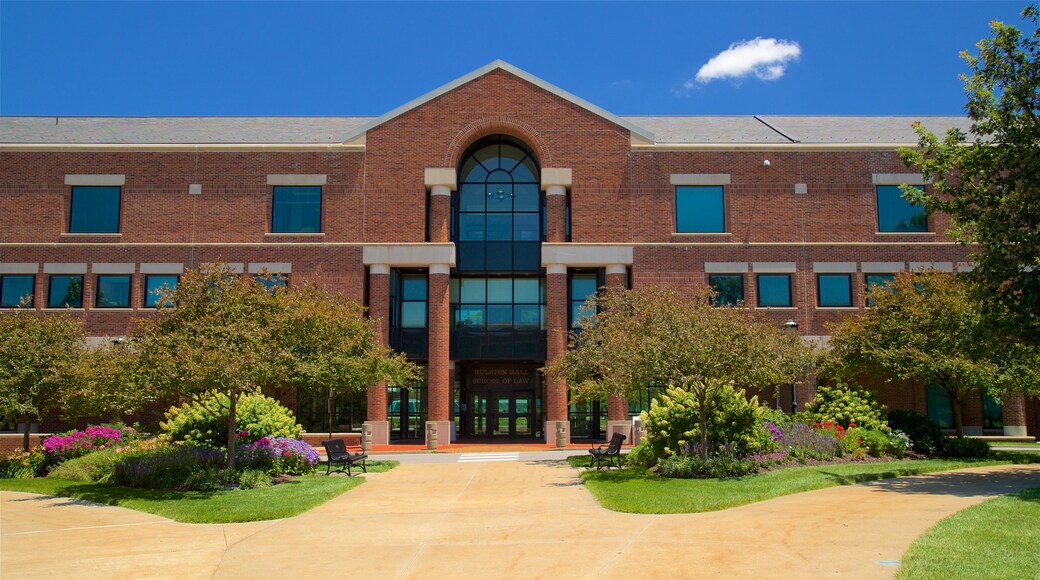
699	208
296	210
583	285
834	289
154	286
895	214
874	281
14	288
65	291
940	409
112	292
728	289
774	290
94	210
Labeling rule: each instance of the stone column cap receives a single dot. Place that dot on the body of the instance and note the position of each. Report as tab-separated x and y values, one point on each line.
556	176
440	176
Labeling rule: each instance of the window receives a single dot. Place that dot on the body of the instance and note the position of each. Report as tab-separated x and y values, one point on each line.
14	289
774	290
112	292
875	281
497	318
728	289
155	285
583	285
992	412
408	311
94	210
940	409
700	209
65	291
895	214
834	289
272	281
296	209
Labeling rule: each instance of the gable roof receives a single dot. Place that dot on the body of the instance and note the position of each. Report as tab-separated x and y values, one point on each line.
496	65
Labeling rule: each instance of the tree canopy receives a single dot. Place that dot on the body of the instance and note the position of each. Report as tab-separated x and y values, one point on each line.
989	181
657	337
929	327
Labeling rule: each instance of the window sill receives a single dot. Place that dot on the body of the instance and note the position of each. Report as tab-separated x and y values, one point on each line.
776	308
904	233
297	235
837	308
112	309
89	235
702	233
59	309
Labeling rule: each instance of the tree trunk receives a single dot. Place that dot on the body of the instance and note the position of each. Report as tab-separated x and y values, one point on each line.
25	432
328	409
958	416
232	428
703	420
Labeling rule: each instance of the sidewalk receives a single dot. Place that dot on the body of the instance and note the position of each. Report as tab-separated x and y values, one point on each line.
500	520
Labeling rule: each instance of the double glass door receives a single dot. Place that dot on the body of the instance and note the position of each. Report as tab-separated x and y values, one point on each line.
500	413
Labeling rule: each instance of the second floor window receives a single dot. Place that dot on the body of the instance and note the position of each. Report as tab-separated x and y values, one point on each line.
94	210
296	210
112	292
774	290
14	289
154	287
834	289
700	209
728	289
896	214
65	291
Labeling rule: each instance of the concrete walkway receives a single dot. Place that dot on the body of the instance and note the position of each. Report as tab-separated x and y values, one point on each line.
499	520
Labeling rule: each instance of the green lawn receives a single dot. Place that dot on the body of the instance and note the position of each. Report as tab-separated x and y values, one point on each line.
640	491
218	507
999	538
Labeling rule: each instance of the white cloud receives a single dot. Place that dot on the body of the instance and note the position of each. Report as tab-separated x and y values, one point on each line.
764	58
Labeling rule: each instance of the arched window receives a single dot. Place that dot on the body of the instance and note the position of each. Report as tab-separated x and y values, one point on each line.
498	220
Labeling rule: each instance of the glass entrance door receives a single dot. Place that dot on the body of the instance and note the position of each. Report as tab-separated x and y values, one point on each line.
501	414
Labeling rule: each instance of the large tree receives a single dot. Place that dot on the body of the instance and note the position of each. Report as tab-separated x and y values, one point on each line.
36	350
658	337
989	181
929	327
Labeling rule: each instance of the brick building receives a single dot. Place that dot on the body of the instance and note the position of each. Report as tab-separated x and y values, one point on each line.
472	221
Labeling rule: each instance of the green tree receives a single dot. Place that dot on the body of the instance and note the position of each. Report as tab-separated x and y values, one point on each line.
35	351
657	337
989	182
929	327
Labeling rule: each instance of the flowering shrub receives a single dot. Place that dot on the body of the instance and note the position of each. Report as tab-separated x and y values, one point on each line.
23	464
672	422
845	405
65	446
277	455
204	422
100	465
803	442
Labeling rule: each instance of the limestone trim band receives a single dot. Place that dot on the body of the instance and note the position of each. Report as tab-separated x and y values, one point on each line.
298	179
586	255
109	180
409	255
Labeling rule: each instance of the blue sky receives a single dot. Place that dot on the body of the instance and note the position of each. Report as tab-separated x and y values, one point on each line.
333	58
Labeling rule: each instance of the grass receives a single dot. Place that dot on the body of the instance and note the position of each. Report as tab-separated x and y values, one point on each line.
219	507
637	490
998	538
1035	446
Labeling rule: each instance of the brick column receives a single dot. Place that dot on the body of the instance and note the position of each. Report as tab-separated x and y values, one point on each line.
1015	415
972	416
556	306
441	182
379	311
555	182
439	391
617	407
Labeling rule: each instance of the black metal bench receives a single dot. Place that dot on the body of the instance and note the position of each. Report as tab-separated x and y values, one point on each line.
608	455
336	451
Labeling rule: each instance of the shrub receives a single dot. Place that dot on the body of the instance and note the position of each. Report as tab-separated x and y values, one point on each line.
717	467
204	422
251	479
672	422
965	447
874	442
642	455
802	442
166	467
924	434
209	478
899	444
24	465
293	456
73	444
846	405
99	466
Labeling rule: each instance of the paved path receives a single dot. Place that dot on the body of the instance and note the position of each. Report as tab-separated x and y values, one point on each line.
499	520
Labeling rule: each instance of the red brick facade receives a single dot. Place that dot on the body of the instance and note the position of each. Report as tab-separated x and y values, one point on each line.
620	194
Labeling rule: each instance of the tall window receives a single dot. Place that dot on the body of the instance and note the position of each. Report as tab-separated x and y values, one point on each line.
834	289
876	281
65	291
156	285
499	222
895	214
498	318
15	288
408	309
296	209
728	289
583	285
992	412
112	292
94	210
774	290
940	408
700	209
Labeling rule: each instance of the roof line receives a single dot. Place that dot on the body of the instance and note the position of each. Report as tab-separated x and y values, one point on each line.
778	131
497	64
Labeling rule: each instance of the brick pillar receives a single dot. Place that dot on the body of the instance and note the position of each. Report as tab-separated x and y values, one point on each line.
1015	415
617	407
439	392
556	307
555	182
441	182
972	416
379	311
